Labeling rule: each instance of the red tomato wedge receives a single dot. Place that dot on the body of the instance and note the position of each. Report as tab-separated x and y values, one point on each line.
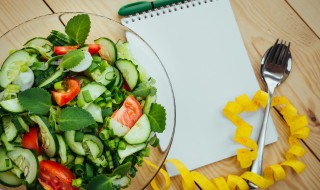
62	97
129	113
93	48
30	140
61	50
54	176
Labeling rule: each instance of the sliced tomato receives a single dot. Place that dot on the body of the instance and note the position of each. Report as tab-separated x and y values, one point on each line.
30	140
93	48
61	50
62	97
129	113
54	176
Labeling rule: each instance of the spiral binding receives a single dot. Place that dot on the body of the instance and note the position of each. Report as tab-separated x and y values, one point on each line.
165	10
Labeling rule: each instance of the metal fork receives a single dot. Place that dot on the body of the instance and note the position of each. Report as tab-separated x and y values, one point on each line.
275	68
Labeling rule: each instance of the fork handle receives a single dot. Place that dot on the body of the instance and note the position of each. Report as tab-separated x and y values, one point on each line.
257	163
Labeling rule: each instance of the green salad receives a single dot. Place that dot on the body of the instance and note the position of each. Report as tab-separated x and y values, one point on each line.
75	115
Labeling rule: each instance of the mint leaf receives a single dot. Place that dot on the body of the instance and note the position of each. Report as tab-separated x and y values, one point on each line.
101	182
122	170
143	90
157	117
74	118
35	100
78	28
72	59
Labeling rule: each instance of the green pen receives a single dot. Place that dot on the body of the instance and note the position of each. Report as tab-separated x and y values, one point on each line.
142	6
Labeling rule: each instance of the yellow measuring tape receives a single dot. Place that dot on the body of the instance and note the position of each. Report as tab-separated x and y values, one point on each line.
298	130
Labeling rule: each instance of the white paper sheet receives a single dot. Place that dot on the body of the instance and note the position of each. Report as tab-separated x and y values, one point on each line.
202	50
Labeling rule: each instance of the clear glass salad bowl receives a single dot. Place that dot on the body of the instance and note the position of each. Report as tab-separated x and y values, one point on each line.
105	27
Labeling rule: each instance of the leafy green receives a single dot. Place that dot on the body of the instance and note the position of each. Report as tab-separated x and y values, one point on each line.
101	182
72	59
73	118
35	100
123	169
144	89
157	117
78	28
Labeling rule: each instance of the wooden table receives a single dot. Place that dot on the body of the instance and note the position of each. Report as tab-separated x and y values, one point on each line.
260	23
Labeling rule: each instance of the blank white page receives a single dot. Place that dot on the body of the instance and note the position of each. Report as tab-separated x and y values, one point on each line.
202	50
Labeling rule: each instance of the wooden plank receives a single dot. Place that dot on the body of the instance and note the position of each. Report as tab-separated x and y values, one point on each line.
106	8
15	12
260	24
309	11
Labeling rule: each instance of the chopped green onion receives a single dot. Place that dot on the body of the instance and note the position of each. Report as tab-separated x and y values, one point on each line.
154	141
78	137
109	158
122	145
139	160
59	85
98	100
94	66
79	160
102	104
145	152
87	96
77	182
104	64
89	171
96	58
104	134
112	144
79	169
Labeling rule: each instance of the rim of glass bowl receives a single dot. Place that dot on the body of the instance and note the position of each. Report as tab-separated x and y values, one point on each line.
174	103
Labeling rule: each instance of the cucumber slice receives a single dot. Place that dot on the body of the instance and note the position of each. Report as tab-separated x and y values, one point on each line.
76	147
118	129
84	64
95	111
15	170
129	72
5	162
63	153
130	149
49	139
94	89
9	179
104	77
92	148
4	139
11	67
9	129
43	45
118	78
140	132
96	150
53	77
25	79
27	162
107	50
20	124
148	102
123	50
12	105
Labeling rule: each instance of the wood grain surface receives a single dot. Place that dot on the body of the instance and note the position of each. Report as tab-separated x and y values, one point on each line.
260	23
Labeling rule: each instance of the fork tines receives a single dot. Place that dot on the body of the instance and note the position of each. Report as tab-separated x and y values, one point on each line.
279	52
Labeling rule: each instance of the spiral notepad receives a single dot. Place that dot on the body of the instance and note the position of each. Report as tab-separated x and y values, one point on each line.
200	46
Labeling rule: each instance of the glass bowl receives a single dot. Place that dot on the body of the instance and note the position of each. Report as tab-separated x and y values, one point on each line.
105	27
